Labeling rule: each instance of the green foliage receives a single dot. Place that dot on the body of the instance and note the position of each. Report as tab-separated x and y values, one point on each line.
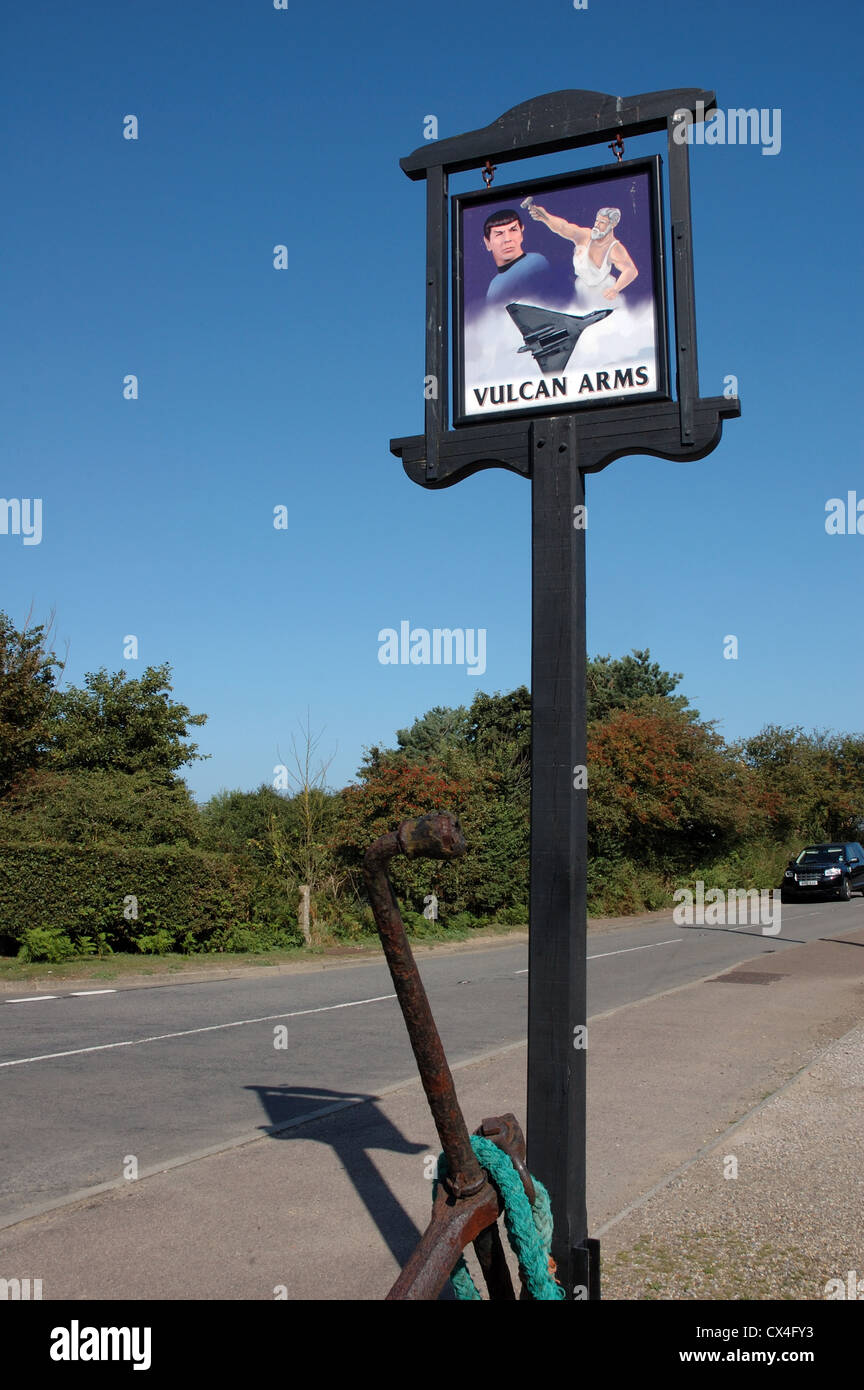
93	932
625	682
495	872
433	733
495	730
157	943
49	944
299	838
665	793
282	841
27	674
302	848
95	945
237	823
811	785
345	918
514	916
420	930
93	814
96	892
476	764
123	725
756	865
620	886
663	789
413	922
465	921
399	790
82	808
500	729
254	938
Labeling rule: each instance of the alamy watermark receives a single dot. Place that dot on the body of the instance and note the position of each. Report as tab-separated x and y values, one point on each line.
852	1287
845	518
20	1290
21	516
443	646
77	1343
739	907
734	127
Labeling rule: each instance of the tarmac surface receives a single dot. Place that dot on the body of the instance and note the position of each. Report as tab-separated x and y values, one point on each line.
762	1063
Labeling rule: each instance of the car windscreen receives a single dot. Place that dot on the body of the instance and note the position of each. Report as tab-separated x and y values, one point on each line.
821	854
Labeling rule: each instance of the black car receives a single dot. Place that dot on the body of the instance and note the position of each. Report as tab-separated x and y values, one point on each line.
837	869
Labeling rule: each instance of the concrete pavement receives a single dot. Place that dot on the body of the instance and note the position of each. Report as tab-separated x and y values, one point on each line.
678	1083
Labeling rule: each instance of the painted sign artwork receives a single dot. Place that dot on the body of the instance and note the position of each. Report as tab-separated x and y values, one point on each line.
559	293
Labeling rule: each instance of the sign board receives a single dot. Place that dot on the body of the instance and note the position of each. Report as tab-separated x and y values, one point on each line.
560	366
559	293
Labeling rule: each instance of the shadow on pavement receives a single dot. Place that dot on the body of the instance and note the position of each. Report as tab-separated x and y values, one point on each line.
290	1107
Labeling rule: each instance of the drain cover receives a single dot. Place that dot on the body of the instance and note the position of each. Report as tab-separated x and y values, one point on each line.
746	977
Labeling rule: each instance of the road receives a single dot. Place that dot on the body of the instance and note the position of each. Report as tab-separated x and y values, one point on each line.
91	1081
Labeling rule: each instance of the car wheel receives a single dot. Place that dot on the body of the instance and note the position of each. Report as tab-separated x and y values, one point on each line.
786	897
845	892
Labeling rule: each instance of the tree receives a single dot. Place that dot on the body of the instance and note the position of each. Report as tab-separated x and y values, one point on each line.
237	822
811	785
396	792
121	725
663	789
27	674
623	682
302	845
499	728
429	736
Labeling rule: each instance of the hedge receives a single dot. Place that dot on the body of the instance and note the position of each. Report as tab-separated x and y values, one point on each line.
122	895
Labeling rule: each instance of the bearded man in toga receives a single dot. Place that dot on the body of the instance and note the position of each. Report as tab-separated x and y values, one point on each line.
595	253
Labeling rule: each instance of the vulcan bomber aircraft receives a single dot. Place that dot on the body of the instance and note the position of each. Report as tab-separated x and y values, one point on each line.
550	337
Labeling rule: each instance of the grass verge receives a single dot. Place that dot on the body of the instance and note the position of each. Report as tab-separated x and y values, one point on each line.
127	967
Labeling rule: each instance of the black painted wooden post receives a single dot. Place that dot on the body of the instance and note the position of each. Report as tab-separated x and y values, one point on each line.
556	452
437	356
557	967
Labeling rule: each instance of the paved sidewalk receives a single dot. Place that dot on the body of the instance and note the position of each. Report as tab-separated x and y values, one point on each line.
775	1210
330	1209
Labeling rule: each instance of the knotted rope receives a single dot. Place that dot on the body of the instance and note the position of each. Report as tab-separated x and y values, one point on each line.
528	1227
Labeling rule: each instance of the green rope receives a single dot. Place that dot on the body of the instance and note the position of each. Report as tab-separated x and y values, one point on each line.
528	1226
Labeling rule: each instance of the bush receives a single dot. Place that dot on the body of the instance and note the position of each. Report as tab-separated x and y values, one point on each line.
415	923
95	945
348	921
158	943
45	944
516	916
464	921
752	866
256	937
87	808
618	887
176	898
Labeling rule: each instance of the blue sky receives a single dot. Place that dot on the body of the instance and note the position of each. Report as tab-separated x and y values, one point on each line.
260	127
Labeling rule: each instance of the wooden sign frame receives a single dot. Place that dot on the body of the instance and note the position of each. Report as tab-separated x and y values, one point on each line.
556	451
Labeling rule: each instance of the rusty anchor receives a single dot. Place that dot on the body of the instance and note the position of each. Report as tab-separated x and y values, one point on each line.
467	1206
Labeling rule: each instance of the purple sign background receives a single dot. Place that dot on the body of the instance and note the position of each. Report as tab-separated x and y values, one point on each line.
631	193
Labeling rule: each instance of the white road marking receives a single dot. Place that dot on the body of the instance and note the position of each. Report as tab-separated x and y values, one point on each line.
83	993
671	942
623	952
32	999
188	1032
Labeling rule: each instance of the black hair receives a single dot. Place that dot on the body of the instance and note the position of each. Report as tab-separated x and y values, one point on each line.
496	219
